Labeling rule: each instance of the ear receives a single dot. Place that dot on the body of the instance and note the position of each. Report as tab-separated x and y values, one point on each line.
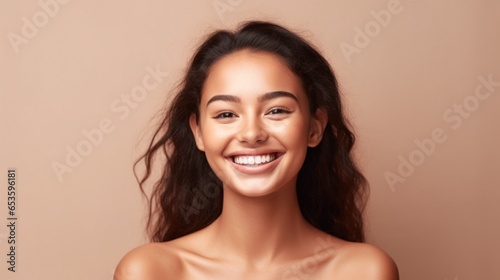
318	123
196	130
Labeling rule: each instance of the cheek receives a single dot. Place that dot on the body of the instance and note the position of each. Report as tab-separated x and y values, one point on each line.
294	136
215	141
216	138
294	132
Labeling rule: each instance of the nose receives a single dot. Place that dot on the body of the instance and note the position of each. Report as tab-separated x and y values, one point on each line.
252	131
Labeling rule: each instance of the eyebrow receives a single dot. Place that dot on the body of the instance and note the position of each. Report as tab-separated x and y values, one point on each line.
265	97
276	94
224	97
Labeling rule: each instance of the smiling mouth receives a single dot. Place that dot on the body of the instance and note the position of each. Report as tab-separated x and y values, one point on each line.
255	160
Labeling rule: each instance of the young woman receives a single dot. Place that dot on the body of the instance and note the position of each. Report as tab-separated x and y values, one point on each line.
259	180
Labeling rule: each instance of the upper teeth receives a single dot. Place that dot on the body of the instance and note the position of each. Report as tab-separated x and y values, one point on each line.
251	160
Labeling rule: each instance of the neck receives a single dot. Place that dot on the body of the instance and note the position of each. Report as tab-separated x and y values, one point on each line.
258	229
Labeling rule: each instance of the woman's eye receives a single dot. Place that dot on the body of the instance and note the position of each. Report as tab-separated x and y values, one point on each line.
224	115
277	111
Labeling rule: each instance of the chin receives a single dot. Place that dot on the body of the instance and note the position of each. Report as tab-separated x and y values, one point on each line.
255	189
253	193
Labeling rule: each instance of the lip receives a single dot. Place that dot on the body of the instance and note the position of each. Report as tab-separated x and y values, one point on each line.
254	169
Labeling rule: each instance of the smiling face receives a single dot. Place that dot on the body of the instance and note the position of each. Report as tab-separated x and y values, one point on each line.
254	124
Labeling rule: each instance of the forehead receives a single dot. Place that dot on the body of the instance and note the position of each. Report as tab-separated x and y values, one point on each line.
251	73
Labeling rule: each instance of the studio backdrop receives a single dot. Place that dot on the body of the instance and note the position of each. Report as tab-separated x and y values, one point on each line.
82	82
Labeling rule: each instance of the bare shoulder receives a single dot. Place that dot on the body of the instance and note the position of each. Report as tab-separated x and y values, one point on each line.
149	261
365	261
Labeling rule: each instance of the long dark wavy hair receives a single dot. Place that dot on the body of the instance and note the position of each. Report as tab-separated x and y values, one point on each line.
187	197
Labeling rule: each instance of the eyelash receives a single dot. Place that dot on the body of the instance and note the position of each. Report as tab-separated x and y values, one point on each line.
224	115
274	111
281	110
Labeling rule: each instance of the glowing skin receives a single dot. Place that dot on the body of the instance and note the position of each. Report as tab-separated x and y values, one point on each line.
252	105
255	127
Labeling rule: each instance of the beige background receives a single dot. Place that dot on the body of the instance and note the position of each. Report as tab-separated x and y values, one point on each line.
68	73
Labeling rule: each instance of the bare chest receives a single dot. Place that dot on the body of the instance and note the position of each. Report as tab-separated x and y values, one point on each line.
307	268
